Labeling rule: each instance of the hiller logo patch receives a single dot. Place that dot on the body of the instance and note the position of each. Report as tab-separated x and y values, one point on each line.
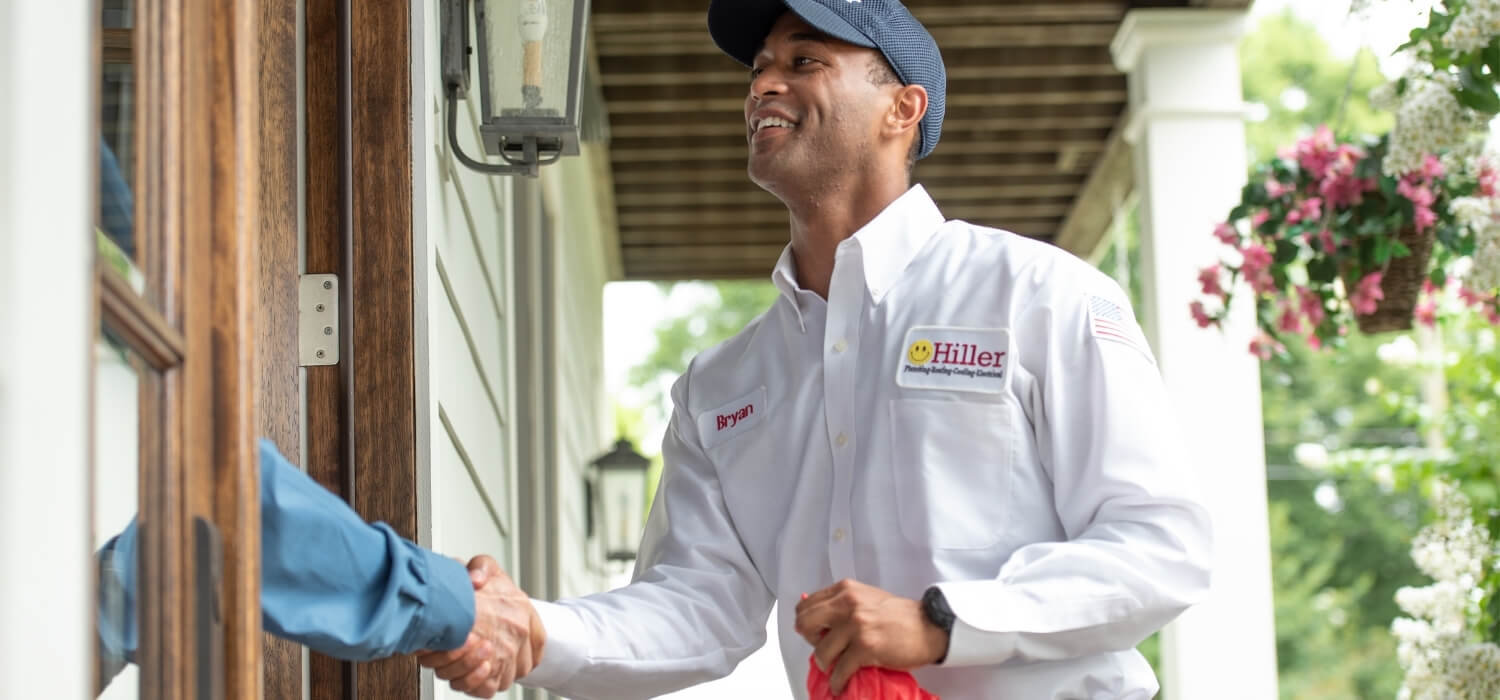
959	359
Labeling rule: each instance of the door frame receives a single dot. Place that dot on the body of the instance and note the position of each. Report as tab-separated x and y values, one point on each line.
361	414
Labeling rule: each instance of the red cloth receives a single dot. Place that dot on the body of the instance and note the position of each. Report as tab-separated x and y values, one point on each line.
869	683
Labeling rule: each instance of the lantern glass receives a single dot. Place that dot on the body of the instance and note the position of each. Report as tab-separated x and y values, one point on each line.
622	504
533	52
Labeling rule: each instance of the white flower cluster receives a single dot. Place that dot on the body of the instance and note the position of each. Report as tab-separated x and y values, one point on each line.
1434	644
1481	215
1476	24
1429	119
1485	275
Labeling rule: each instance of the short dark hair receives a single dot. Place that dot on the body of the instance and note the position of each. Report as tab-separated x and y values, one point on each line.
882	74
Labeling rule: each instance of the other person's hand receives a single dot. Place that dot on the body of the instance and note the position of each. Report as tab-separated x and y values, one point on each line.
505	643
852	625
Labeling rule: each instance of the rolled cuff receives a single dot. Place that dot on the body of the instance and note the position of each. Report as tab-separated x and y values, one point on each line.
566	651
447	613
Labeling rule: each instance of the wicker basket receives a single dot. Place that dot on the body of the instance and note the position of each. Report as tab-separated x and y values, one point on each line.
1402	284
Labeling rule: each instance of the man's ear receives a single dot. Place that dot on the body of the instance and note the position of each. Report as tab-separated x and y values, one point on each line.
907	110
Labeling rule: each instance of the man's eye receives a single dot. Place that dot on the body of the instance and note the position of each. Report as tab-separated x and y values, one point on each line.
801	61
755	72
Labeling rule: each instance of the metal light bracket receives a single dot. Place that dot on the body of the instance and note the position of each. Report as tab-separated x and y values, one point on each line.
318	320
528	138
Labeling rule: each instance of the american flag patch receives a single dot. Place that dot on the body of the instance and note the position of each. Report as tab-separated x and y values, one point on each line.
1107	321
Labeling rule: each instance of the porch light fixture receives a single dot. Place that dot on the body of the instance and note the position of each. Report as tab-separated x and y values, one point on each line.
621	474
530	55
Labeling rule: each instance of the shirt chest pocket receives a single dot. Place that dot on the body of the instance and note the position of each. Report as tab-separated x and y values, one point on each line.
952	464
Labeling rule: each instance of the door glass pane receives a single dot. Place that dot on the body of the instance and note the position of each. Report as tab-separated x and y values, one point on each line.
117	439
115	219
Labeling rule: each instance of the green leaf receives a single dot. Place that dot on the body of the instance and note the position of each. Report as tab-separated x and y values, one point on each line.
1491	56
1478	93
1383	251
1322	269
1285	253
1399	249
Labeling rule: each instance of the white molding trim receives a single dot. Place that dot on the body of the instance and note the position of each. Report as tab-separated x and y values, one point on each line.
48	160
1136	120
1154	27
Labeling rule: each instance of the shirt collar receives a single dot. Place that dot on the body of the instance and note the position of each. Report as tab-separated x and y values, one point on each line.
892	239
886	244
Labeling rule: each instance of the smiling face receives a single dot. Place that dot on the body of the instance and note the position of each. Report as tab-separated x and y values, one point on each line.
920	352
813	110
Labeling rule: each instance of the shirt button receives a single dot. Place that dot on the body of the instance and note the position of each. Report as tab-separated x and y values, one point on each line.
840	346
841	440
838	535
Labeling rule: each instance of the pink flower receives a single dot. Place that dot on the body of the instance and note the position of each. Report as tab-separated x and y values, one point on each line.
1428	288
1426	313
1274	188
1488	179
1419	193
1326	242
1310	303
1317	152
1474	298
1257	268
1367	294
1314	342
1259	218
1257	258
1200	315
1263	346
1227	234
1493	316
1209	278
1423	218
1341	192
1289	321
1432	168
1311	208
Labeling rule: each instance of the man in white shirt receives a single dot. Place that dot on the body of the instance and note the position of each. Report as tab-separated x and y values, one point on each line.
954	438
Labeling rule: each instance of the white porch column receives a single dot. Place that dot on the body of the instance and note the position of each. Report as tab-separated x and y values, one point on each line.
1187	129
48	154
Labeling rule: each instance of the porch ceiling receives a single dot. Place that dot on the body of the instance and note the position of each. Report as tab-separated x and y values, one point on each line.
1033	104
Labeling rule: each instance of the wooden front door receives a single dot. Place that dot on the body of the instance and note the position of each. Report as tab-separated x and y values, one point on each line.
175	378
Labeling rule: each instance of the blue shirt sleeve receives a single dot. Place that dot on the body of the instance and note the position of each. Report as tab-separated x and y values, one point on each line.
329	580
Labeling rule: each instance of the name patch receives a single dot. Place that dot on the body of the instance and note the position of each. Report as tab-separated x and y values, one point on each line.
732	418
955	359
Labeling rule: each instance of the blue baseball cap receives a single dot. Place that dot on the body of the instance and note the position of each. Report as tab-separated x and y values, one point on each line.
739	27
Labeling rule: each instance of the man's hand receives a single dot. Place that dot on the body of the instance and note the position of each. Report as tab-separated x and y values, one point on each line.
505	643
852	625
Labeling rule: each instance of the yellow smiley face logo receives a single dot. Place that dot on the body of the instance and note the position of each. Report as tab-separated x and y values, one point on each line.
920	352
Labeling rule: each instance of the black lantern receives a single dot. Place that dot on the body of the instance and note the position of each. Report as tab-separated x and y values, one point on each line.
530	55
621	475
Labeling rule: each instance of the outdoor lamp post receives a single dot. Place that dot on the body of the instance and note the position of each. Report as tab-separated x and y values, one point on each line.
530	55
621	476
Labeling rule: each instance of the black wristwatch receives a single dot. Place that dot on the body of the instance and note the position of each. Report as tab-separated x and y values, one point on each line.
935	608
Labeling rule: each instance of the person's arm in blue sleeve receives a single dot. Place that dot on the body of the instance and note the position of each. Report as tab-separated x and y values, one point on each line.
329	580
345	587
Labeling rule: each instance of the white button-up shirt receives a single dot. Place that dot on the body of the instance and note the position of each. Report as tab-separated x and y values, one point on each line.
969	409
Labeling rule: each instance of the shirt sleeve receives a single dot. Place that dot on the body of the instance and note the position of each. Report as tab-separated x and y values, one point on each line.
329	580
348	588
696	607
1138	542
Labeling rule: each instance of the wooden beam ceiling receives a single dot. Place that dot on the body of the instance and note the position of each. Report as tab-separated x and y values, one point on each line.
1034	102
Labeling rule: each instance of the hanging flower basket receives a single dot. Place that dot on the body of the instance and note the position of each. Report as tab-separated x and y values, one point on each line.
1327	241
1401	285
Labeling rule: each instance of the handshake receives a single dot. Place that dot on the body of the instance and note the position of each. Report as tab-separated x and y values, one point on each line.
506	642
